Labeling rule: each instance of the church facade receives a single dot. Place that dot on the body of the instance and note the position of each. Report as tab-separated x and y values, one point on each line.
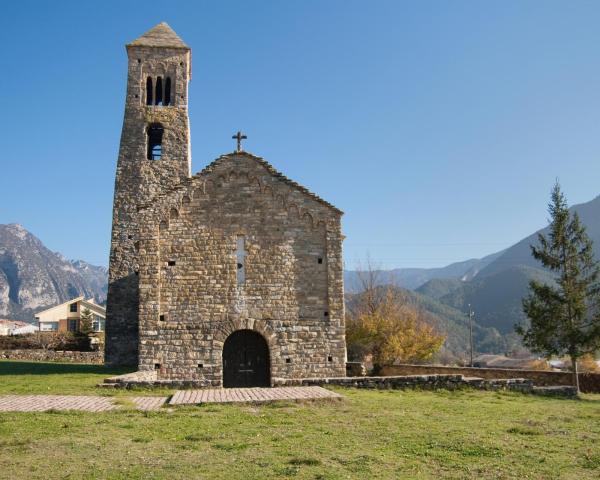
230	277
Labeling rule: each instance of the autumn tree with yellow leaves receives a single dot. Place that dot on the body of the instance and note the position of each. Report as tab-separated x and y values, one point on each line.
381	323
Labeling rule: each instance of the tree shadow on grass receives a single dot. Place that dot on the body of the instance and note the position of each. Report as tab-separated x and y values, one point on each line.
48	368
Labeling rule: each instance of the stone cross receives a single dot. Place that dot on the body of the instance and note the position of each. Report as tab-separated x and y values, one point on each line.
239	136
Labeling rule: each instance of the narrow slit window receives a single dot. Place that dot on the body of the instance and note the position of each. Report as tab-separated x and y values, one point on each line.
155	136
159	91
167	91
149	91
241	260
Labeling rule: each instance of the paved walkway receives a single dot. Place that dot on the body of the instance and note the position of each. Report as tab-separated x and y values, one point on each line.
88	403
95	403
254	395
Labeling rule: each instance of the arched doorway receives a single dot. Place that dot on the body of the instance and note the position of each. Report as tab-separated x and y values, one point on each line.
246	360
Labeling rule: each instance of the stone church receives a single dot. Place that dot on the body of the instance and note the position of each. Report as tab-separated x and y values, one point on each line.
230	277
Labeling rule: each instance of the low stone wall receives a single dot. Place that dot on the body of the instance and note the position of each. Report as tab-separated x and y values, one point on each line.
53	356
588	382
425	382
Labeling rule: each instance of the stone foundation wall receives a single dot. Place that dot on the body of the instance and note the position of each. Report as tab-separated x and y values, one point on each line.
53	356
426	382
588	382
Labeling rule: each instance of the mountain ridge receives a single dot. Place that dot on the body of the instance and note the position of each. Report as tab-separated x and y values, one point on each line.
32	277
495	284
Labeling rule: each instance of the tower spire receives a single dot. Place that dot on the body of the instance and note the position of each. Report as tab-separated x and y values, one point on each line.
162	35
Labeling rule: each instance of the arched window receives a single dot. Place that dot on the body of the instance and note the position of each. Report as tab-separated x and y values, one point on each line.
155	136
149	91
167	101
159	91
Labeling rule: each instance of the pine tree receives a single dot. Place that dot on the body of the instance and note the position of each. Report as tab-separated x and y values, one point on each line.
565	316
85	323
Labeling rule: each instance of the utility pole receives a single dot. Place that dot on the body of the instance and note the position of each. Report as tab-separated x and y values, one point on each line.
471	313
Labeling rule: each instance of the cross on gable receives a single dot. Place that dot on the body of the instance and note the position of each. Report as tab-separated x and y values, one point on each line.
239	136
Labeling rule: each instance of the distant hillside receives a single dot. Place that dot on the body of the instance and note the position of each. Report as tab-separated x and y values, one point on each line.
413	278
494	285
438	288
33	277
497	291
496	299
520	253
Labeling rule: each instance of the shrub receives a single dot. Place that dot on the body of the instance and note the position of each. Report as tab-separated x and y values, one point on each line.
45	341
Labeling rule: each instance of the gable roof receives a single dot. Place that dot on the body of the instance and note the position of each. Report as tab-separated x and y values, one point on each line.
94	307
73	300
272	170
223	158
162	35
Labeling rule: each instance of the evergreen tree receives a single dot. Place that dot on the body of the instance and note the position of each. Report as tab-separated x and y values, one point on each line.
565	316
85	323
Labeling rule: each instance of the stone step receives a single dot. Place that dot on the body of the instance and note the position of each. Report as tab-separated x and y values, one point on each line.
565	391
251	395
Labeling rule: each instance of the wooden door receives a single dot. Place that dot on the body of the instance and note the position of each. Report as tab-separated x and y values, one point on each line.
246	360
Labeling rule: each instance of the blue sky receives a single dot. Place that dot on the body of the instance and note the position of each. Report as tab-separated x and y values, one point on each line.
438	127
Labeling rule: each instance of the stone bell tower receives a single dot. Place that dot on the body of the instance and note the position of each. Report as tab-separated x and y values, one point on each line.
154	156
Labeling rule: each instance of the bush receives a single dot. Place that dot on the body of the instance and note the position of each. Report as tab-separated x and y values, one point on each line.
45	341
387	328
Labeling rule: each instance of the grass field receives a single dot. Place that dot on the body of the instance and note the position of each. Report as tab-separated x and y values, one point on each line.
371	434
29	378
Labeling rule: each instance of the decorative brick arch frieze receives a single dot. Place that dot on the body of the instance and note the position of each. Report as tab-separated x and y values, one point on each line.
200	186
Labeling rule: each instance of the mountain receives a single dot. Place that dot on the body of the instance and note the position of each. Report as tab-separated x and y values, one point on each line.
497	291
495	298
413	278
33	278
520	252
494	286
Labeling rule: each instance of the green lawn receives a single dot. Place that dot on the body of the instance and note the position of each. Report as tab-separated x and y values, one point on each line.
371	434
51	378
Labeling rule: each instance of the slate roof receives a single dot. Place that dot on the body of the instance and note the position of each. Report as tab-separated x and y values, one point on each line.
162	35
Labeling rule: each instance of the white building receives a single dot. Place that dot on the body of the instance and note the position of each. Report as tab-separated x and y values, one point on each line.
66	317
15	327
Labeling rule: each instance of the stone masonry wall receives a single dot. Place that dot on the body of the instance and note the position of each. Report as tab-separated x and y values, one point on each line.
293	288
589	382
53	356
138	180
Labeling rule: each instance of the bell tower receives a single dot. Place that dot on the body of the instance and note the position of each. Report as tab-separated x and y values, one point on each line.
154	155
